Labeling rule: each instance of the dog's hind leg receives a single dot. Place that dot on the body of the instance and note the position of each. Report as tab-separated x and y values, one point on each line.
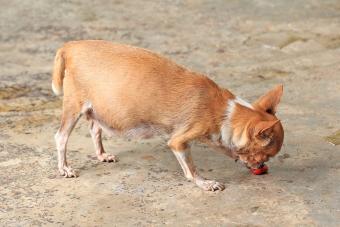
96	134
73	109
68	121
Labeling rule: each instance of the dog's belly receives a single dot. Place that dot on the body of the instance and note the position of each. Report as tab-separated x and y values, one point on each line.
137	131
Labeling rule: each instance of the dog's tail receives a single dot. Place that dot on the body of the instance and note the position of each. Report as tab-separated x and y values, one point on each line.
58	72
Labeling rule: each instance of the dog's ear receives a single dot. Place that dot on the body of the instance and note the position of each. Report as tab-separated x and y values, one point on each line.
263	131
269	101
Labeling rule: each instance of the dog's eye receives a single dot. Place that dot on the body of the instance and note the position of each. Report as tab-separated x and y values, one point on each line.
270	111
271	142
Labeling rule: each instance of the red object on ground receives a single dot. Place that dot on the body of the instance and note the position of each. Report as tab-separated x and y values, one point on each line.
259	171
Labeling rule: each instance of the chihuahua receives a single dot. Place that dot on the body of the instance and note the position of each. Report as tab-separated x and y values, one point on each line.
132	92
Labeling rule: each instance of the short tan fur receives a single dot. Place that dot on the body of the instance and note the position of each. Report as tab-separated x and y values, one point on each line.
133	92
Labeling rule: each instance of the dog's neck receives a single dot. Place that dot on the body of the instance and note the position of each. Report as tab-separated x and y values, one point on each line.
234	134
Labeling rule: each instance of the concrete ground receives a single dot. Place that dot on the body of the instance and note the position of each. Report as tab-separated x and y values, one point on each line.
245	46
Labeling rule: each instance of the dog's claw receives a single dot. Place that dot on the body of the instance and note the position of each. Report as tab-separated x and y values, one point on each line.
106	157
209	185
68	172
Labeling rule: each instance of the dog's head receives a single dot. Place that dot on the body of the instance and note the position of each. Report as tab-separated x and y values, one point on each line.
255	133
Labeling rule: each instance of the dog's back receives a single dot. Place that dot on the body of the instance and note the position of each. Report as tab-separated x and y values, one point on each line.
128	86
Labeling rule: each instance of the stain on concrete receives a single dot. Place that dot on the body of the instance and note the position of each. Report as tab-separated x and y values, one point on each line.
334	138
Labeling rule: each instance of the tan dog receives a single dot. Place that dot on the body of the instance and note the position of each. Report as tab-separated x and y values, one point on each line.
133	92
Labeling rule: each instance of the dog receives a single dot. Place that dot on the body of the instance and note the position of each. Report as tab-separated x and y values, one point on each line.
130	91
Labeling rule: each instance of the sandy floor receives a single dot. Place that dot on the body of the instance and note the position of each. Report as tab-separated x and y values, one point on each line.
246	46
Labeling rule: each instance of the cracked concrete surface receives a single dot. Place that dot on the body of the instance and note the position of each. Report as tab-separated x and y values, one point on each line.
245	46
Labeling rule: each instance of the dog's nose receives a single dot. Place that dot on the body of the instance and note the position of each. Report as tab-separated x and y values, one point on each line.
261	158
265	158
260	165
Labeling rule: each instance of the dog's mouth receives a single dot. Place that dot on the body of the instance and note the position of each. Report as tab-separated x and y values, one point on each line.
245	160
251	166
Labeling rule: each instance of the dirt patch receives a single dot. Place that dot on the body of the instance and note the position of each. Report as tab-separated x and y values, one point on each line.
12	92
331	42
275	39
31	122
30	106
22	98
334	139
270	73
290	40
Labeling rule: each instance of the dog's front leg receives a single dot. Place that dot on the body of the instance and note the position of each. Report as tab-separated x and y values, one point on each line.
185	160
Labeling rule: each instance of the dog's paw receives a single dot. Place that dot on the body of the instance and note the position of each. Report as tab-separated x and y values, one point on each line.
68	172
209	185
106	157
